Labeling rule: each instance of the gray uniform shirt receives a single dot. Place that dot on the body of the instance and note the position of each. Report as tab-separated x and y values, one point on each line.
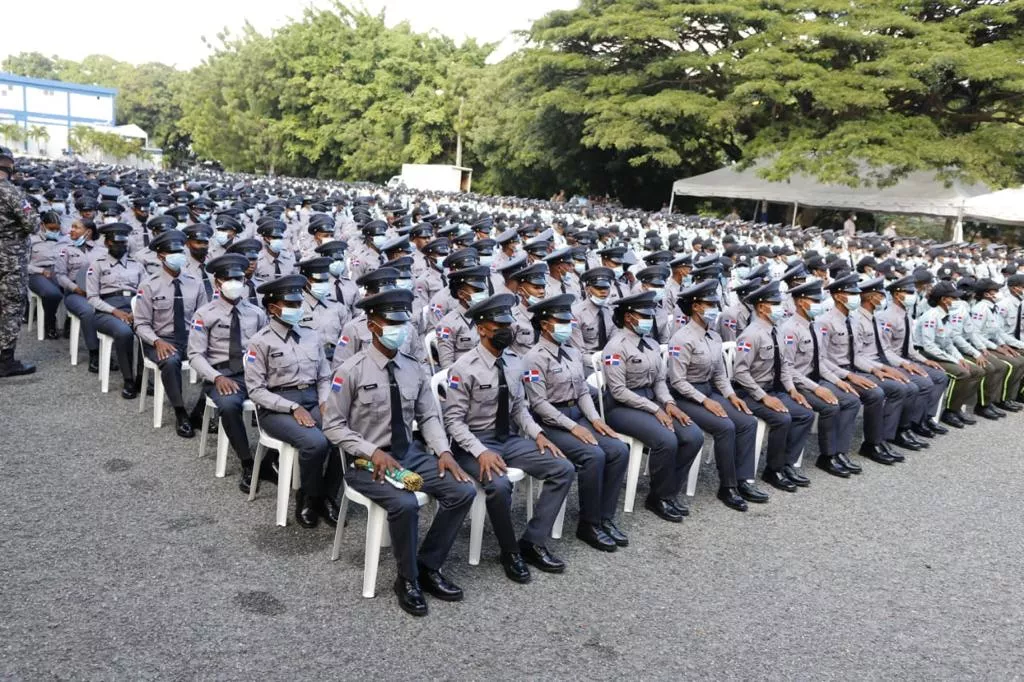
935	335
695	357
154	306
107	276
798	351
553	377
628	367
285	357
456	336
755	360
72	263
209	342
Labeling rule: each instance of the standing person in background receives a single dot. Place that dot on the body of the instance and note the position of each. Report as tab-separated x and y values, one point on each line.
17	221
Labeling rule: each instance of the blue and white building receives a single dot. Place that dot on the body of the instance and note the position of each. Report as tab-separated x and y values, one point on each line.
55	106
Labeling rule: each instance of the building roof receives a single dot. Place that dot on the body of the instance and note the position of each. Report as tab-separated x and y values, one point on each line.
57	85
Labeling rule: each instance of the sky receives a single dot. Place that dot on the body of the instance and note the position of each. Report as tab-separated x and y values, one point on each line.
172	32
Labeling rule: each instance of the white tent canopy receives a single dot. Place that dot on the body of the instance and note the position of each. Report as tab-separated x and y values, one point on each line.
1004	206
920	192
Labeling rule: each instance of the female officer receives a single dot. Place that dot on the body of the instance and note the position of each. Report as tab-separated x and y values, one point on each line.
69	270
560	402
44	247
697	379
639	404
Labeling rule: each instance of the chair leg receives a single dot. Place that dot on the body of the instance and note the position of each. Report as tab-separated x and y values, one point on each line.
222	453
529	498
158	399
375	526
40	314
206	429
76	331
284	476
339	532
636	456
762	429
708	450
800	459
106	345
32	312
556	529
477	516
142	391
257	460
691	479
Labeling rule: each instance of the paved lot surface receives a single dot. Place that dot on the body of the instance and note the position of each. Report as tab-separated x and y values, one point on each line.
123	557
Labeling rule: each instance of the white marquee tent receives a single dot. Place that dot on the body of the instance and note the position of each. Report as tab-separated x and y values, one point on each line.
1004	206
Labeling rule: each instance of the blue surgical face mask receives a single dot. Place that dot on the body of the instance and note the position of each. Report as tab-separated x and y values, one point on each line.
477	297
276	245
337	268
852	301
599	302
404	283
379	240
439	262
562	332
644	327
816	310
221	237
486	259
741	272
659	293
79	241
290	316
533	300
394	335
580	268
51	235
320	290
203	217
711	316
175	261
777	314
688	280
882	305
617	270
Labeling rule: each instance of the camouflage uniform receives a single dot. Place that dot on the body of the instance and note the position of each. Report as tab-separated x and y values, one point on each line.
18	220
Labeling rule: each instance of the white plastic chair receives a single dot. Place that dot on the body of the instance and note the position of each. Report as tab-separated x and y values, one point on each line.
287	472
106	347
76	333
150	368
377	534
248	407
556	528
430	341
35	313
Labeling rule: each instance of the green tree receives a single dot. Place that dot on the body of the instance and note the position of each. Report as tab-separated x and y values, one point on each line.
32	65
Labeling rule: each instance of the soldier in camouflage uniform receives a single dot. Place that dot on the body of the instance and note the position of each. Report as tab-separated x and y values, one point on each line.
17	221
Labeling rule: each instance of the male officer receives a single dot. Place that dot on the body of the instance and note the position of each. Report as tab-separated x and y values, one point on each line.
221	330
251	249
111	281
319	311
835	328
289	378
735	318
456	334
375	395
198	249
366	255
766	386
17	221
166	303
274	260
594	324
818	380
486	415
1002	347
343	289
529	285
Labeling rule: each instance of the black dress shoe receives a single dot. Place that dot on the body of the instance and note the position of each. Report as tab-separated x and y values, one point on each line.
680	507
832	465
850	465
901	440
245	478
896	455
663	509
183	427
515	567
922	431
793	474
306	510
129	392
595	536
410	597
777	479
329	511
966	418
612	531
751	493
539	557
909	435
952	418
936	427
94	362
988	412
435	584
876	453
999	413
730	498
1009	406
52	334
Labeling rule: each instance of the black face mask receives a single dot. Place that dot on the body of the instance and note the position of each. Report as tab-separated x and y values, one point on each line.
199	254
502	338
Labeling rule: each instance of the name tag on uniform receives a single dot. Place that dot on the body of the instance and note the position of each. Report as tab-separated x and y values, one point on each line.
485	385
368	387
159	298
277	354
637	361
465	338
556	370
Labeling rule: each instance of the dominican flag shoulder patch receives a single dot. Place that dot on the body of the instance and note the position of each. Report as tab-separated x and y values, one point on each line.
337	383
613	359
454	382
674	351
444	332
887	328
250	356
729	323
744	346
343	341
531	376
197	325
437	310
790	339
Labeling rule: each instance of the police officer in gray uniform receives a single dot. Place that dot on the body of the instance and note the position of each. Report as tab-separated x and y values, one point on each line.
818	381
594	325
487	418
456	335
374	396
319	311
221	330
111	281
274	260
560	401
288	378
43	249
638	404
164	307
698	381
197	245
529	285
343	289
735	318
69	269
765	379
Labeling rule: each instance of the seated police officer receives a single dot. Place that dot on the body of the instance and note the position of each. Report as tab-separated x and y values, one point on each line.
166	303
375	395
221	330
455	333
289	378
560	401
321	313
486	416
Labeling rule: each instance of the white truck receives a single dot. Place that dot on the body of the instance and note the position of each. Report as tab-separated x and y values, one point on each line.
428	177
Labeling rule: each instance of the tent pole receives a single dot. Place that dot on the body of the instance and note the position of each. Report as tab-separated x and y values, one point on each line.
671	200
796	207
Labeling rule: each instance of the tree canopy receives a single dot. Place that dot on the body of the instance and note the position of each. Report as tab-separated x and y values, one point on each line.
615	97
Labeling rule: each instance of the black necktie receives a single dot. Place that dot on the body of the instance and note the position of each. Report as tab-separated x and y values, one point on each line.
501	419
643	344
399	436
252	292
655	332
180	333
602	329
206	281
776	363
849	337
1020	309
562	355
145	239
815	358
906	334
277	267
878	342
235	343
338	295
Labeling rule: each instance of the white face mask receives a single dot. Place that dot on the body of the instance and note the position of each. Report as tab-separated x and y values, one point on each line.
232	289
320	290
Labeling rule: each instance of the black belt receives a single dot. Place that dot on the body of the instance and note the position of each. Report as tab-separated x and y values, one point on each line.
222	365
295	387
567	403
121	294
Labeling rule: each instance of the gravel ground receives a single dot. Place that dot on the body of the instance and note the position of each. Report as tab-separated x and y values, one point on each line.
124	557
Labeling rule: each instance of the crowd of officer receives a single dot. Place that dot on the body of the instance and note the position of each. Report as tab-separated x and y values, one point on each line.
556	335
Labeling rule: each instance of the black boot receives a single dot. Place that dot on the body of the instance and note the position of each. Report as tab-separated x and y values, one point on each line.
183	427
94	361
9	367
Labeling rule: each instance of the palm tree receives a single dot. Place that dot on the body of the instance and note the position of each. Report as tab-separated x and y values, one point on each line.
40	135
